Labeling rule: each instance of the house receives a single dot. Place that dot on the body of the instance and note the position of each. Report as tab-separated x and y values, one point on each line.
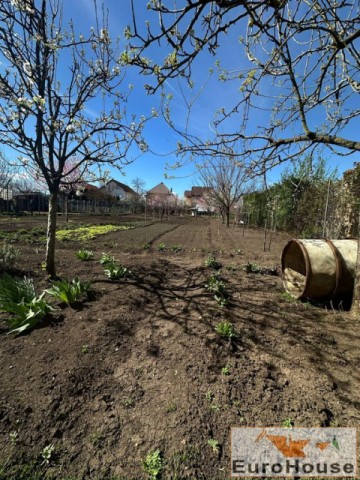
83	189
118	190
160	191
196	195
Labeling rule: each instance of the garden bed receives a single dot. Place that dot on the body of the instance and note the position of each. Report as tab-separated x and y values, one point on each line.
141	364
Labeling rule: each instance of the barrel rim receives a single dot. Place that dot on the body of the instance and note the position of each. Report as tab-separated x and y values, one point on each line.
307	264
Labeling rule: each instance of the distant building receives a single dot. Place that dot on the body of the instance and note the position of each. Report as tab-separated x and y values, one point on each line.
83	189
30	201
118	190
160	190
196	195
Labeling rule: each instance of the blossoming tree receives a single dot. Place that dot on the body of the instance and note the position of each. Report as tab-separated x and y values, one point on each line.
49	81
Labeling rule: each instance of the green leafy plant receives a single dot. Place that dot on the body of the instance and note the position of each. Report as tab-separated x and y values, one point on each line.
161	247
214	444
8	256
288	297
47	454
222	300
215	407
69	292
210	262
225	370
18	298
84	255
85	349
114	271
14	437
128	402
106	258
225	329
209	396
217	286
254	268
176	248
287	423
171	407
153	464
147	246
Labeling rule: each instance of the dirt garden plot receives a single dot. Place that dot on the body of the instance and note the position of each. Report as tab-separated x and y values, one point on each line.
139	366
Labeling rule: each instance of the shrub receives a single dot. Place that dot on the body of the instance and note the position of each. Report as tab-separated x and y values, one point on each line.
84	255
176	248
69	292
18	298
8	256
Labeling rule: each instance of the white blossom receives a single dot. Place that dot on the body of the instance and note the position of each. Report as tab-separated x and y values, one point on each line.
70	128
25	5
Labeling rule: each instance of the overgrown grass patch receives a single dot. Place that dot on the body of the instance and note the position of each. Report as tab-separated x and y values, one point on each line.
88	233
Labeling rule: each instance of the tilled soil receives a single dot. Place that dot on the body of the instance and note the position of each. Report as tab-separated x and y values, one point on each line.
138	366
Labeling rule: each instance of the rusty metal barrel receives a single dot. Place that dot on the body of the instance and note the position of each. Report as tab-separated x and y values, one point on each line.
319	268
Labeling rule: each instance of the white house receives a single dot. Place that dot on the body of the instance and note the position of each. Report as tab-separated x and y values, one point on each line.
118	190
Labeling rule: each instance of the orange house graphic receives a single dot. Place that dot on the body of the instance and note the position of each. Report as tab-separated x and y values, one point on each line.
291	448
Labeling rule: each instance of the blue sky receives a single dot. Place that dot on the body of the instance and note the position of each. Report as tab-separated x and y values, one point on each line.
162	139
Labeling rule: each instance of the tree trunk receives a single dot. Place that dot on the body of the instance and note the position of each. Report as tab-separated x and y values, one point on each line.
51	235
228	218
66	200
355	305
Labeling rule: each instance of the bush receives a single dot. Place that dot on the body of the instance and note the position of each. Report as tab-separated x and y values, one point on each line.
18	298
